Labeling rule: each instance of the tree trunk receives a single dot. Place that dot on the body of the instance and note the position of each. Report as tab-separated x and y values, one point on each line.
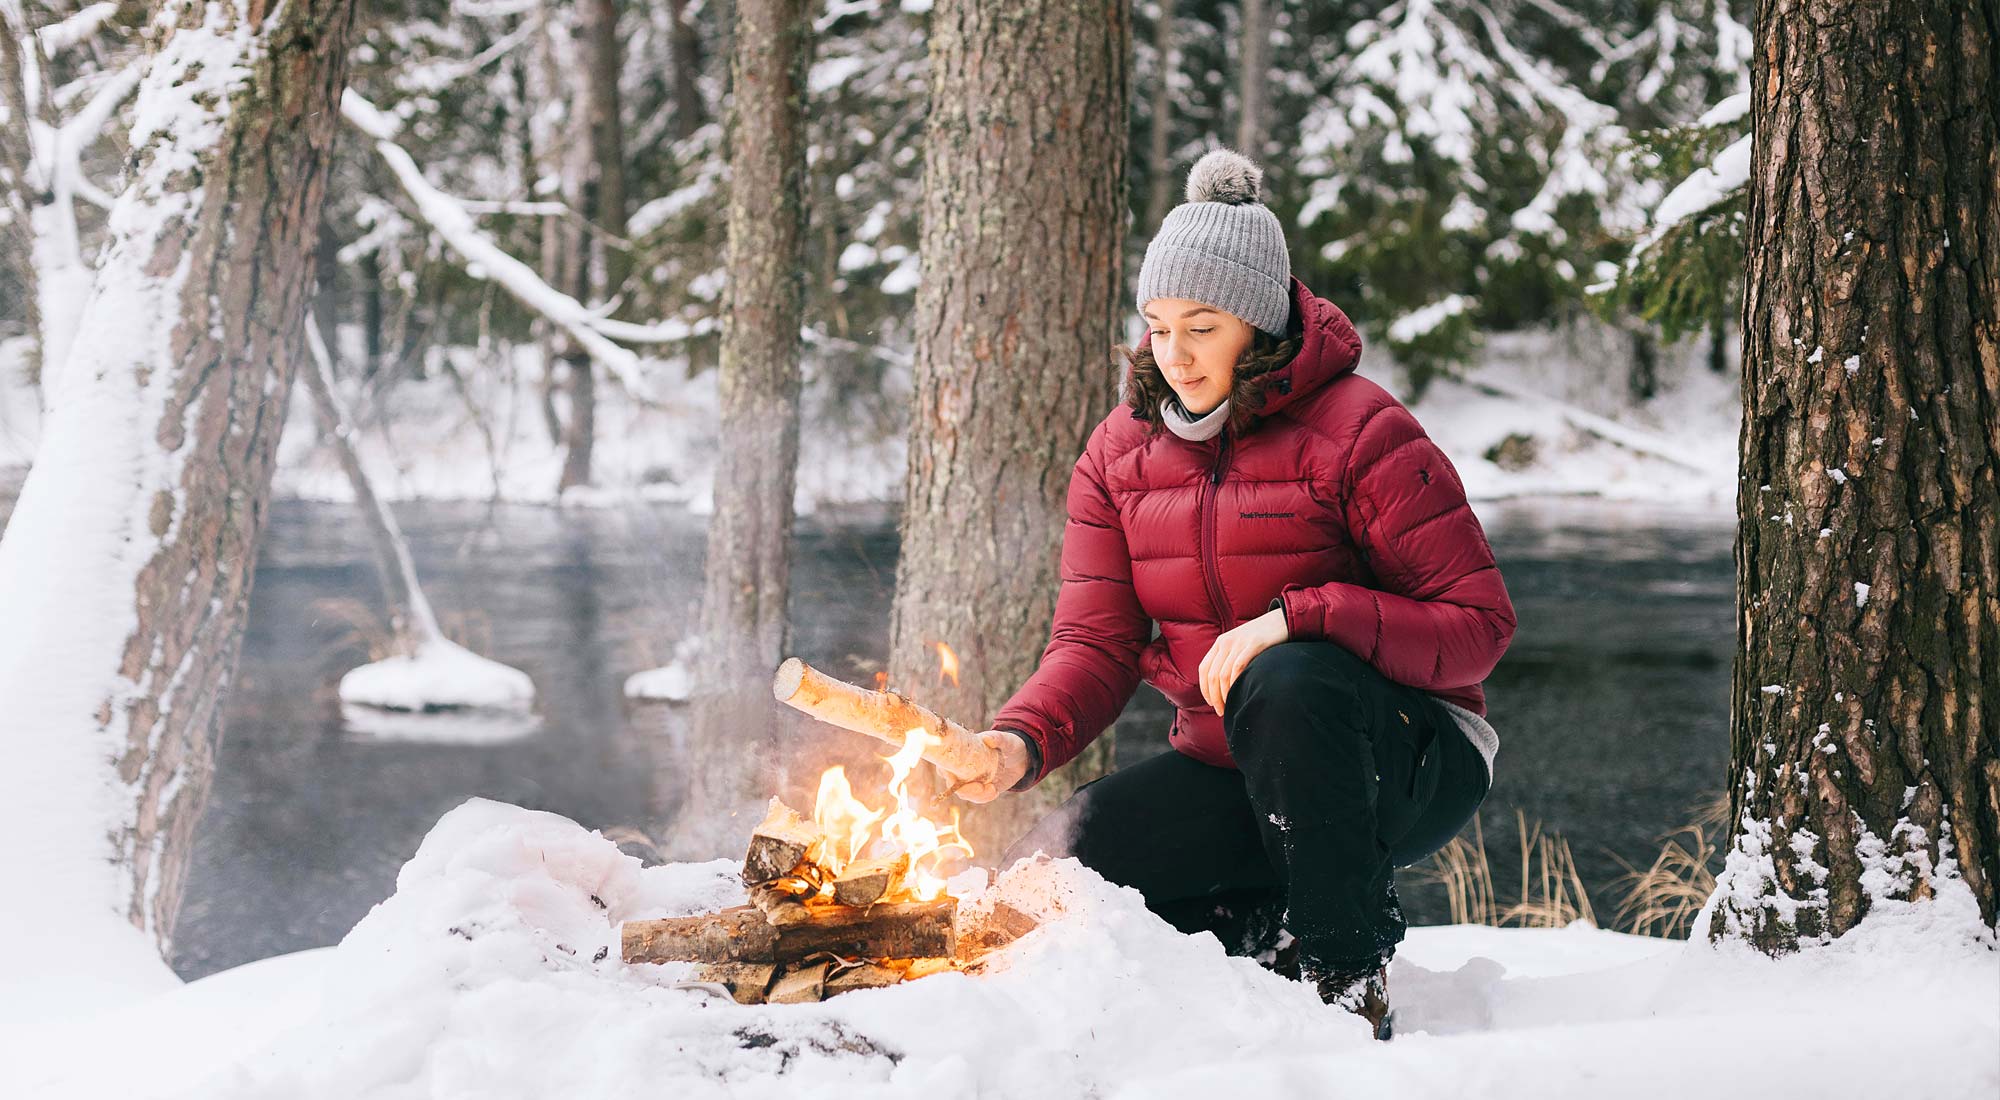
16	157
125	573
1254	59
689	112
1866	762
606	209
730	762
1024	217
1642	378
607	140
1159	142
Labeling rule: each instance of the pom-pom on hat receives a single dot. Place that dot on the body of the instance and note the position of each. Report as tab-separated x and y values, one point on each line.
1223	247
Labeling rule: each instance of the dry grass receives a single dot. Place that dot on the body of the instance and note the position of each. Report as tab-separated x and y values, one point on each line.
1550	895
367	630
1663	899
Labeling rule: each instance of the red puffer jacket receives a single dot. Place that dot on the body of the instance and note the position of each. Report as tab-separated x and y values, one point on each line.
1335	505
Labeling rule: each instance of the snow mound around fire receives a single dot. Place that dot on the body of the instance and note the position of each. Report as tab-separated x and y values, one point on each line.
493	972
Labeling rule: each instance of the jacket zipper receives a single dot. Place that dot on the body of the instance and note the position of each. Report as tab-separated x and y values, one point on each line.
1210	572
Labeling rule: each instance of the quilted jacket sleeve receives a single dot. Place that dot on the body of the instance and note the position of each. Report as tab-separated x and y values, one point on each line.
1090	668
1442	617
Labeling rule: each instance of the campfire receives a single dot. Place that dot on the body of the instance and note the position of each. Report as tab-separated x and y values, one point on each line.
853	896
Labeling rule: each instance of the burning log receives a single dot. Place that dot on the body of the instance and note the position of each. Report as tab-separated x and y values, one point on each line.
778	845
892	930
864	882
885	715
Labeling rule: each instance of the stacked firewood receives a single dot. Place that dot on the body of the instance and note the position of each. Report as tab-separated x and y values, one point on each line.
807	935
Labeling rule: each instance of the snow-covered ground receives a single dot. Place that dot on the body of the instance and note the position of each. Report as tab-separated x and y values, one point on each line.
1538	383
482	977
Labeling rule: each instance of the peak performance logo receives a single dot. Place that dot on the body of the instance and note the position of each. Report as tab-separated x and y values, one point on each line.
1266	515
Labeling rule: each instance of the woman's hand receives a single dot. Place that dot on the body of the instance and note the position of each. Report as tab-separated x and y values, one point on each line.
1013	764
1231	652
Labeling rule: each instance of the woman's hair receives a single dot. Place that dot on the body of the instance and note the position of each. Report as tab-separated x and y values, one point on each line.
1146	387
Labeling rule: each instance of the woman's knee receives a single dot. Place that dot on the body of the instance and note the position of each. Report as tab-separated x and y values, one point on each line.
1290	679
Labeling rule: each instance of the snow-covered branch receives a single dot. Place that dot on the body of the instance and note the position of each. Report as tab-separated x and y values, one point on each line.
453	222
78	27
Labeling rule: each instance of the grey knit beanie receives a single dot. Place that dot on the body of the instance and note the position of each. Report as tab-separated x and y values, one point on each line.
1222	247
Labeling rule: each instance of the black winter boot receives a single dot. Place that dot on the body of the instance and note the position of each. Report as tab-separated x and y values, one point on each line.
1366	995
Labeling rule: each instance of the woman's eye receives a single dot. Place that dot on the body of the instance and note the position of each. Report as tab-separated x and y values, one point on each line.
1201	331
1158	332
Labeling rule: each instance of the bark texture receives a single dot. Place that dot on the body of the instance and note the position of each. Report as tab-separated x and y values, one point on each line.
1159	136
248	256
1864	765
1255	70
16	155
1023	228
730	763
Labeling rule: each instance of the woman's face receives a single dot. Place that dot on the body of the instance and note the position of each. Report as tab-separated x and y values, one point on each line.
1197	347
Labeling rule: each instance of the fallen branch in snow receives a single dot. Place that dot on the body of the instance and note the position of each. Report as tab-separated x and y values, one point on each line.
1632	439
453	222
411	623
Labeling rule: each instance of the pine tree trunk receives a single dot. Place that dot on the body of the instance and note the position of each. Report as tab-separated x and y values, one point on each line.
1642	379
1250	87
731	760
15	157
1866	728
689	112
1023	229
1159	142
151	488
607	140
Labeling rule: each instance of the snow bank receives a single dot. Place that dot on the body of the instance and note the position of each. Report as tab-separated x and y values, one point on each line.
493	972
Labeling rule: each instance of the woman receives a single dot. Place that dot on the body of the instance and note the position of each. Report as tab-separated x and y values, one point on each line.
1326	607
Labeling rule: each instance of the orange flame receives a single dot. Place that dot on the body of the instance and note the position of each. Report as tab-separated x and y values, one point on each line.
855	830
881	681
947	664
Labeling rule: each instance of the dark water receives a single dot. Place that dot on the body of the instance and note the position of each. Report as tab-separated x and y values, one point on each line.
1612	704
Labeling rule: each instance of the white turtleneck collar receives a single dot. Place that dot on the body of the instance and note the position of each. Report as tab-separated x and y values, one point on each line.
1193	428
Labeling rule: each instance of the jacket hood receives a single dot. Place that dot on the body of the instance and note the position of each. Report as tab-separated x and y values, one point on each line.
1332	348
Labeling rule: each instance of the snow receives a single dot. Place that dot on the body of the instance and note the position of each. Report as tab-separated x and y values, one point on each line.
1705	187
440	675
74	546
1420	322
1678	450
1731	109
481	976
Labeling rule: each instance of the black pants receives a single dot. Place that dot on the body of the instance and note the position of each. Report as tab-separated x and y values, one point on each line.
1344	775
